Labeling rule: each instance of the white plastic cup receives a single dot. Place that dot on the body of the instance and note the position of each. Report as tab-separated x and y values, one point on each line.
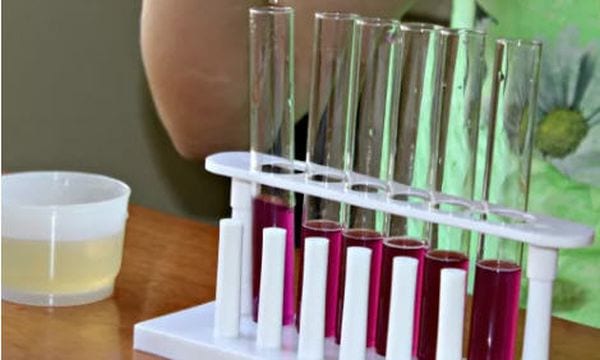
62	237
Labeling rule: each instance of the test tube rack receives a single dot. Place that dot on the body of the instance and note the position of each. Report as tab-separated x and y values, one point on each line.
188	334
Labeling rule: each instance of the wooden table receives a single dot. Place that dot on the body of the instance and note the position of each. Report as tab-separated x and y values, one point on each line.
169	264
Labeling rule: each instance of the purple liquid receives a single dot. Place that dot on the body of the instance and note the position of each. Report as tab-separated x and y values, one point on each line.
268	211
435	261
332	231
373	240
495	310
397	247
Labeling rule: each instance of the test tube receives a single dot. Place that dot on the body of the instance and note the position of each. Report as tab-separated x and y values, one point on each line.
413	162
332	93
459	98
272	134
377	105
508	165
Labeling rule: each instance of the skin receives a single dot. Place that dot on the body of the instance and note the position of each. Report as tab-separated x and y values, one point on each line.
195	58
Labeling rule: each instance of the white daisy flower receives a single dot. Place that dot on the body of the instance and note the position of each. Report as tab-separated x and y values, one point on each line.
567	134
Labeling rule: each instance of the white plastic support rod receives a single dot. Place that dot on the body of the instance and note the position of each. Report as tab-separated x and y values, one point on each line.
311	339
541	271
227	300
451	314
356	300
241	211
402	305
268	330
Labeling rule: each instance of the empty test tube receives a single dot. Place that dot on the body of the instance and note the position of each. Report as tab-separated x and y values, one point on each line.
272	133
331	98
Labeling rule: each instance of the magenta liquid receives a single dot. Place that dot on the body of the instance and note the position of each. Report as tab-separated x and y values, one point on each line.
332	231
435	261
373	240
391	248
268	211
495	310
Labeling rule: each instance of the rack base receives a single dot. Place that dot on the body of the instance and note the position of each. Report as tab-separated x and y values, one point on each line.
188	334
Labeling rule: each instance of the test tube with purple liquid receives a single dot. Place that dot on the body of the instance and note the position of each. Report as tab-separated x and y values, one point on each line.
332	93
456	113
272	133
508	167
379	54
412	165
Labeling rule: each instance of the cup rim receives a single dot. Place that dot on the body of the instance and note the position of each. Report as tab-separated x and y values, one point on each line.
123	190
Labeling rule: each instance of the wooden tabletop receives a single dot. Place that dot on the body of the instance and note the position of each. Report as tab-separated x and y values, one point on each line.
169	264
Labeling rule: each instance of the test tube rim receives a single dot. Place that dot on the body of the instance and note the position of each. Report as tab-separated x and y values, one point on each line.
271	10
336	15
519	42
448	32
373	21
420	27
388	239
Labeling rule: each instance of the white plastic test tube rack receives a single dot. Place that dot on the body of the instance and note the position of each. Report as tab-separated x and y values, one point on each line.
226	331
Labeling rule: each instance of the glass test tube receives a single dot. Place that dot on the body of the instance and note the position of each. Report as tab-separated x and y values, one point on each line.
506	181
329	125
377	105
413	162
416	139
272	133
459	98
462	52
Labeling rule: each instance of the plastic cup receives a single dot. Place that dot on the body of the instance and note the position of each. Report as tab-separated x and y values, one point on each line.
62	237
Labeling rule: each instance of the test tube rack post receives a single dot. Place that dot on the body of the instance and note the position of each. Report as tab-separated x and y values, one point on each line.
189	334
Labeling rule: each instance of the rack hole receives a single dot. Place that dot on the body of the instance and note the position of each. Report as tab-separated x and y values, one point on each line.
326	178
367	188
410	198
280	169
507	217
452	206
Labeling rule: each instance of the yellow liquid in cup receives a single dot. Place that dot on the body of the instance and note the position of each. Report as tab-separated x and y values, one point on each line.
60	267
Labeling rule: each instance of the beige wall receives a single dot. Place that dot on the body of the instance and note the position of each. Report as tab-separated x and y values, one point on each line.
74	98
